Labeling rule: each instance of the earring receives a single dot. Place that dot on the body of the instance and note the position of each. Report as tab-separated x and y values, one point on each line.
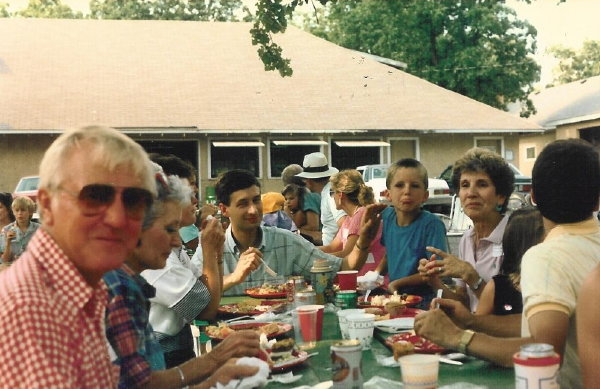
498	208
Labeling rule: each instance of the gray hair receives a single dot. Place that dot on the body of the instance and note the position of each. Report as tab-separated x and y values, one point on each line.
169	189
111	148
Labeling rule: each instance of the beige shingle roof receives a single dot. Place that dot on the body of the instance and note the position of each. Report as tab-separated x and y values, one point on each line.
55	74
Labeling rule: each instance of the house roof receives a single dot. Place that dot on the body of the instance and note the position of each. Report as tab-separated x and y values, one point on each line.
206	77
574	102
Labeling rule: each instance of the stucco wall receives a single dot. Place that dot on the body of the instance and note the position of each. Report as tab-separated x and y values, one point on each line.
20	155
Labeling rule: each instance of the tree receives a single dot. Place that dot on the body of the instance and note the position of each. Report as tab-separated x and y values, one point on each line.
476	48
213	10
576	64
48	9
4	10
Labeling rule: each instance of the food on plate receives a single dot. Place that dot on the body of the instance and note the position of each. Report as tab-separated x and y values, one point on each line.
267	289
395	308
382	300
421	345
402	348
282	350
250	307
223	329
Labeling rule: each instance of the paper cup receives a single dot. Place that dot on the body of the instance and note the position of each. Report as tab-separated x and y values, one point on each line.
320	309
347	279
360	327
420	371
343	320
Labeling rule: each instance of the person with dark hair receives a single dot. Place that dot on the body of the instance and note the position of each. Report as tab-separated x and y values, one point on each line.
502	295
128	330
6	214
485	182
303	207
316	176
566	174
248	244
183	291
352	195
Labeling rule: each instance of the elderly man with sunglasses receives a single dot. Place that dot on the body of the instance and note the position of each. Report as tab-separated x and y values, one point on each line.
95	187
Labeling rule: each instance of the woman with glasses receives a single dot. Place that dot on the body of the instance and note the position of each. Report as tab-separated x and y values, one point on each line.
16	235
351	195
138	353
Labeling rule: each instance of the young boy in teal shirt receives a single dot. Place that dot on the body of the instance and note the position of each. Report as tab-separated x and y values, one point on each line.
408	229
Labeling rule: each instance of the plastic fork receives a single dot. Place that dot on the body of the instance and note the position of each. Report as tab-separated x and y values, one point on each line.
271	272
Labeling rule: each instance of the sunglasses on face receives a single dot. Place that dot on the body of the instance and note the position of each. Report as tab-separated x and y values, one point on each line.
94	199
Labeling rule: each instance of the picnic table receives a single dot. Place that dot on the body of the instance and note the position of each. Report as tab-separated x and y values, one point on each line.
318	368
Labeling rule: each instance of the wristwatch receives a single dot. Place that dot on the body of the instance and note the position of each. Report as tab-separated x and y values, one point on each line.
477	284
465	339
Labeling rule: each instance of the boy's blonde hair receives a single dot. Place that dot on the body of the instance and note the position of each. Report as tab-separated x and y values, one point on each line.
407	163
23	202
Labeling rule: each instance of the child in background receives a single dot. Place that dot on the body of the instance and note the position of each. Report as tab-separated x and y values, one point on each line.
502	295
408	229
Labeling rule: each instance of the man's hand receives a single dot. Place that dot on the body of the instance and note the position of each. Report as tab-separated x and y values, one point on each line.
456	311
249	261
238	344
436	326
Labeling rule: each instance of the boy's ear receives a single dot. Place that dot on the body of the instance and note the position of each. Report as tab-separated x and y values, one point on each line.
426	195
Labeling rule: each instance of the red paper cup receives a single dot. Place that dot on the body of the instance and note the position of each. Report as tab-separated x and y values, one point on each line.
347	279
320	309
308	324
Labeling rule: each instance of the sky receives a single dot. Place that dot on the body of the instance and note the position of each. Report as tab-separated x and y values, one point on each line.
568	23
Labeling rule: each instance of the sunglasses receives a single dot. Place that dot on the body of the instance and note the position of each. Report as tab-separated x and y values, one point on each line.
94	199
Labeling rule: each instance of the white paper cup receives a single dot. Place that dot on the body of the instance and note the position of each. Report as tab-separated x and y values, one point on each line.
343	320
360	327
420	371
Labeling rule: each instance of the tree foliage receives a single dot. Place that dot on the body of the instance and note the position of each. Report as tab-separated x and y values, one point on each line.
477	48
576	64
48	9
206	10
4	10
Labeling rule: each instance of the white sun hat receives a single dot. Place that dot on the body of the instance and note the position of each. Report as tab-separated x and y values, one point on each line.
315	166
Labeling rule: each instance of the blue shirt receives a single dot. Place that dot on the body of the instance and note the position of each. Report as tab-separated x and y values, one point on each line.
405	246
128	329
19	244
285	252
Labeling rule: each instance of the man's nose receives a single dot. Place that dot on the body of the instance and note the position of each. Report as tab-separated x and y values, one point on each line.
116	213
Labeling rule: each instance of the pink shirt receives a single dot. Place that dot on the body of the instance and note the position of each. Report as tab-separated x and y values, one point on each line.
351	226
486	259
52	323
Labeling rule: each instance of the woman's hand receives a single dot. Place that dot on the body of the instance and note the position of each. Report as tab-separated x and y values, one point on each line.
449	266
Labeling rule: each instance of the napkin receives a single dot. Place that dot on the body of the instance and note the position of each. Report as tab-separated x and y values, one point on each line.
377	382
256	381
286	378
386	361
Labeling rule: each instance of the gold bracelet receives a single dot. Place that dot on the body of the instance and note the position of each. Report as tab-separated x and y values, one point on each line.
361	248
465	339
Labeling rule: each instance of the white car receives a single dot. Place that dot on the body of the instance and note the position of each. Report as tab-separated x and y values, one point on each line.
439	200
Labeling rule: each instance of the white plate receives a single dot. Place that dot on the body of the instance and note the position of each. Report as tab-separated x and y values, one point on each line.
396	325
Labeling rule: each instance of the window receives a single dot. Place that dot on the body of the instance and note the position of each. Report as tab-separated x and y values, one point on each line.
284	153
530	152
225	156
350	154
495	145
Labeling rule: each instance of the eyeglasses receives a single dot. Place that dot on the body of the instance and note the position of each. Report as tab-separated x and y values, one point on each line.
94	199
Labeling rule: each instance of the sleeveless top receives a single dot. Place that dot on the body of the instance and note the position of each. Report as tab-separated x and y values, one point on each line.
507	299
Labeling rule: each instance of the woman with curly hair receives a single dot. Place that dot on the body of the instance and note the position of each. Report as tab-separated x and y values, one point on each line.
485	182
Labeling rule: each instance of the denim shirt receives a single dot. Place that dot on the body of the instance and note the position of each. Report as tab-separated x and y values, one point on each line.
19	243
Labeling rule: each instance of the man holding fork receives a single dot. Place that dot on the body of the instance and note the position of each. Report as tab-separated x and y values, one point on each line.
248	245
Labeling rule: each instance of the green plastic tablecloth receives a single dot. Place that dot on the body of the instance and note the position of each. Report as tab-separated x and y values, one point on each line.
318	368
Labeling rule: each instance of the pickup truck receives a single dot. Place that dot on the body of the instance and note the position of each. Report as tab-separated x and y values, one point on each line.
439	200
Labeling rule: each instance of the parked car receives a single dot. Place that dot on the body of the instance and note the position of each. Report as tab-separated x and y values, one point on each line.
439	200
27	186
522	182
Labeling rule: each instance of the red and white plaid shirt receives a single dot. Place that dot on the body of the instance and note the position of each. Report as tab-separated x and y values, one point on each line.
52	323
